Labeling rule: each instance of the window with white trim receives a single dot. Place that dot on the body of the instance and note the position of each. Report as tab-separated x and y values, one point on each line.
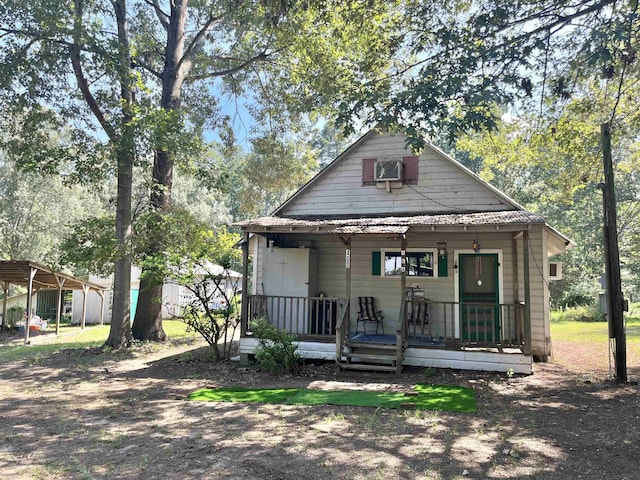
420	262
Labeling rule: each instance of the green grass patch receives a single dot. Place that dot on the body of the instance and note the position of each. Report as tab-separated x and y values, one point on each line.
78	339
429	397
587	332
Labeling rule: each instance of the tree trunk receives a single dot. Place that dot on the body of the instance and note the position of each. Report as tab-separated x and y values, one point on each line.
120	330
148	319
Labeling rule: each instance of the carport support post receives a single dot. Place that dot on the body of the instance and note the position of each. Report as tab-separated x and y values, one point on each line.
85	290
32	274
5	291
101	293
59	309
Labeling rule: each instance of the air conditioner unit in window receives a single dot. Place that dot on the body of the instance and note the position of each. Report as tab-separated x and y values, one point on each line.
555	270
389	170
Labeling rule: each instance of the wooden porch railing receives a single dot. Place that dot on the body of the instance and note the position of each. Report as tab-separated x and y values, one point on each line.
451	324
302	316
467	324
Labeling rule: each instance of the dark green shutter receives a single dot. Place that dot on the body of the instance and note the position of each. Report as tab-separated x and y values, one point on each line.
375	263
443	266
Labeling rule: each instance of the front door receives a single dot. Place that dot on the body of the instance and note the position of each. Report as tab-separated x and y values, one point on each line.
479	286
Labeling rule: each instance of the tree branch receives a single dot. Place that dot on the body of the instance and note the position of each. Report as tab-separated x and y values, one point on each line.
229	71
76	63
163	17
194	41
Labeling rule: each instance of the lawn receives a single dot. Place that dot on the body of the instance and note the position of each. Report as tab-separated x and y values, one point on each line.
585	345
72	337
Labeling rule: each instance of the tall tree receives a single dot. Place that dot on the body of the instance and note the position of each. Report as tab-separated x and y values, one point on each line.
288	58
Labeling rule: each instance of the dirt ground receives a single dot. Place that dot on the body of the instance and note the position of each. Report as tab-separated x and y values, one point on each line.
87	415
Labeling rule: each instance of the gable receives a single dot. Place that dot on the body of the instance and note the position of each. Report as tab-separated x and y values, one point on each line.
431	183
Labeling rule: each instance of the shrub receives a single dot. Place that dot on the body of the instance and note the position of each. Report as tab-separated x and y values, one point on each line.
581	313
275	351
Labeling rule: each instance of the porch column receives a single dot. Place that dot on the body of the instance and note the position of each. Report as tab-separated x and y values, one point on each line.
245	286
527	293
32	274
400	332
343	320
403	276
5	291
60	282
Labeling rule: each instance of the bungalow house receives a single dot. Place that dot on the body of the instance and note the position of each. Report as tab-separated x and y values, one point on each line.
387	258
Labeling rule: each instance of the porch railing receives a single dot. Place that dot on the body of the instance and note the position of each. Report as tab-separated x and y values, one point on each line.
446	324
316	316
466	323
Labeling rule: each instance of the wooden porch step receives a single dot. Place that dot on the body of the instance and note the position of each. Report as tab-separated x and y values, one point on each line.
371	345
368	367
371	357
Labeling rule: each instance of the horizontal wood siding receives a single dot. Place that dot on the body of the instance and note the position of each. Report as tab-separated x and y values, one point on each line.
539	293
441	186
388	290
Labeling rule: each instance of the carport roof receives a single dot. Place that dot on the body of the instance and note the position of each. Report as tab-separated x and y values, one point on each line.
17	272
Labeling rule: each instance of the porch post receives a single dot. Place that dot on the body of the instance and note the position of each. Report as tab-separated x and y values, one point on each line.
245	285
403	287
527	293
516	286
342	323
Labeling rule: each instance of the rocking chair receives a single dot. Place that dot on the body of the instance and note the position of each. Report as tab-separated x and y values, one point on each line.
367	313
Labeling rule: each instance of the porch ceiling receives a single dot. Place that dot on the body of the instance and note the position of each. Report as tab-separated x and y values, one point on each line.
396	225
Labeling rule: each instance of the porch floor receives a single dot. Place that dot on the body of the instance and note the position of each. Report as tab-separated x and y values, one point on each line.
423	341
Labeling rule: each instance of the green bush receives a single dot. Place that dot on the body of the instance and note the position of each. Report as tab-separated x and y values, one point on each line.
583	313
275	351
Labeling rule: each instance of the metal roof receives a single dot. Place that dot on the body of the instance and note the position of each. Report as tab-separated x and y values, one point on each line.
17	272
503	217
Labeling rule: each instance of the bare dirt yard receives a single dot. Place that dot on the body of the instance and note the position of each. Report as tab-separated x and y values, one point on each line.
83	414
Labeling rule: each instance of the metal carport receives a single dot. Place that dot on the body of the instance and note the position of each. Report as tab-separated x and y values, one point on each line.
36	276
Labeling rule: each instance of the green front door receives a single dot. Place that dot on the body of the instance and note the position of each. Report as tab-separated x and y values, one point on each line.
478	286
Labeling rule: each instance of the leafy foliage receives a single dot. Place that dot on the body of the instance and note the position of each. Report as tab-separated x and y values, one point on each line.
552	164
467	57
276	351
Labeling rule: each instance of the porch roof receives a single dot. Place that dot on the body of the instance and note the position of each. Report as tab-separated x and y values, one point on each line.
386	225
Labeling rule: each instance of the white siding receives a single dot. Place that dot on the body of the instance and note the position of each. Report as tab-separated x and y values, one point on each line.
539	293
386	290
442	186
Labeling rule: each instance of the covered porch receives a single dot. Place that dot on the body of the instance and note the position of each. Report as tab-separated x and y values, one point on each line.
473	271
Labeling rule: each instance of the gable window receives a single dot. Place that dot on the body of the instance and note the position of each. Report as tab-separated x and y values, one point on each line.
419	263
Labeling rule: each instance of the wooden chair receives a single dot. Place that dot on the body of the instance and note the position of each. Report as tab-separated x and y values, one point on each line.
367	313
417	311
